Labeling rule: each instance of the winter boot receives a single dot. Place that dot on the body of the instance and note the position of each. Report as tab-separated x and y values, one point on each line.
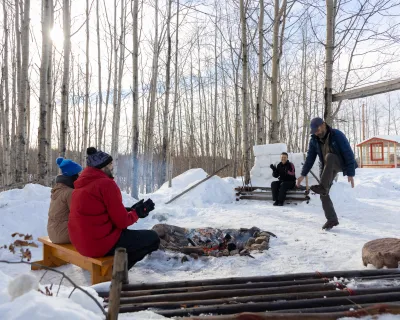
319	190
330	224
276	203
280	203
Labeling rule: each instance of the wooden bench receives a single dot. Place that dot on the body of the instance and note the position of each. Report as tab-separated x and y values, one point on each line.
55	255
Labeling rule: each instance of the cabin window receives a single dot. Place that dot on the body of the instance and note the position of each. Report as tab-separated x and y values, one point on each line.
376	151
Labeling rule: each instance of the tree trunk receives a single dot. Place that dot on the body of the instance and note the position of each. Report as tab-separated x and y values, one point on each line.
6	124
135	109
3	155
245	68
153	91
65	81
260	106
86	112
329	61
165	146
49	114
274	127
172	141
120	73
117	111
100	93
42	141
214	149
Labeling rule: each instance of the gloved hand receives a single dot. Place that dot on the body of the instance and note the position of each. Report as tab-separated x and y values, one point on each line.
143	208
272	167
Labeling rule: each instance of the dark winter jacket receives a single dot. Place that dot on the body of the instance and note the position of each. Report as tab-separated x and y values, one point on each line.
285	172
97	215
338	145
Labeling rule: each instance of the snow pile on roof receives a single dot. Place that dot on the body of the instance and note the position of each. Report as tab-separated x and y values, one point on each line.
383	137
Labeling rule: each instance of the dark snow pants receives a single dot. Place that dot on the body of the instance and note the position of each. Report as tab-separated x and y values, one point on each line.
138	243
331	168
279	189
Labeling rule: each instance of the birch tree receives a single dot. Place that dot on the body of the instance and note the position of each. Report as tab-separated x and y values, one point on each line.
152	105
21	174
42	138
260	106
245	68
278	29
135	98
6	123
65	80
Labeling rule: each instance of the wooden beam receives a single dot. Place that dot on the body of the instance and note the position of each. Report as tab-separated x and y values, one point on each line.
367	91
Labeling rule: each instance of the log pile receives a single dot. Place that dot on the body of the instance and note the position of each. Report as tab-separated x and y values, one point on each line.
264	295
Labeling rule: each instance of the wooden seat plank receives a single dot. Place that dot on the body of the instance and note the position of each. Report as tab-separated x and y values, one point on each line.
55	255
71	251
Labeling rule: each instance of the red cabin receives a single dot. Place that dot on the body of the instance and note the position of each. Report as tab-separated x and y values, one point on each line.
380	152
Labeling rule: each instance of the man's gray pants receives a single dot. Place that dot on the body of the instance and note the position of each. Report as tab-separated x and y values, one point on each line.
331	168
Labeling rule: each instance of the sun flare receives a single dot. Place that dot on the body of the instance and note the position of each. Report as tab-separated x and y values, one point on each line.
57	36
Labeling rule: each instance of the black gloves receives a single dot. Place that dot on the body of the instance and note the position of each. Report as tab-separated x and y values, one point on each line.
272	167
143	208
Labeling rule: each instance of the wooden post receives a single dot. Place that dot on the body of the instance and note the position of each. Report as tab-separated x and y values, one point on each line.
116	283
361	155
125	279
363	122
395	155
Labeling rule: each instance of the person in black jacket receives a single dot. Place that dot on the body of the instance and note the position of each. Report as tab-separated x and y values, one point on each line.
285	172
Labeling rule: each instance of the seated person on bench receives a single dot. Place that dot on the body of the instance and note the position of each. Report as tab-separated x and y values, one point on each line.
287	179
57	225
98	220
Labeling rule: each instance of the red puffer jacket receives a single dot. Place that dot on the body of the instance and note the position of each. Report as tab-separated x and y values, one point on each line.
97	215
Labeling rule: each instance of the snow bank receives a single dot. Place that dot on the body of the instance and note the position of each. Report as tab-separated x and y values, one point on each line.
211	192
20	299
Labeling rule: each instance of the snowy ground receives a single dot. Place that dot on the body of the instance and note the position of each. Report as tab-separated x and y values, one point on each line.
369	211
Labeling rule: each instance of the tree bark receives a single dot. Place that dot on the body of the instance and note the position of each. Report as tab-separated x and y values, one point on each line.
62	148
165	145
49	89
152	104
135	108
172	141
245	68
6	124
86	112
329	45
42	140
260	105
100	93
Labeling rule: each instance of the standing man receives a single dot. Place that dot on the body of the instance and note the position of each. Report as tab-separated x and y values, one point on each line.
98	220
287	179
335	155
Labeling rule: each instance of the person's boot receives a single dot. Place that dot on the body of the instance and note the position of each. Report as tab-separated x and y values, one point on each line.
318	189
280	203
276	203
330	224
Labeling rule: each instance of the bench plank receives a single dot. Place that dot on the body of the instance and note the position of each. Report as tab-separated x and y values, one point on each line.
55	255
71	251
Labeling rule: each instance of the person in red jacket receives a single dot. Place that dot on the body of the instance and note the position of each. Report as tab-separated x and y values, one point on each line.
98	220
